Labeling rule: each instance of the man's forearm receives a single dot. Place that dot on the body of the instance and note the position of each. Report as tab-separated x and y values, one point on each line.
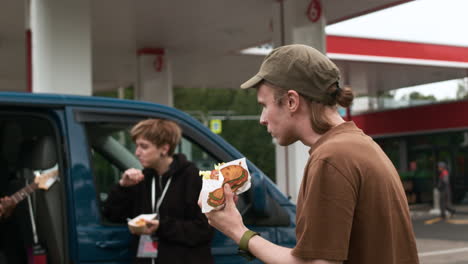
271	253
229	221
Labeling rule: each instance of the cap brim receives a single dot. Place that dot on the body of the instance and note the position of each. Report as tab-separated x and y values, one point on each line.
252	82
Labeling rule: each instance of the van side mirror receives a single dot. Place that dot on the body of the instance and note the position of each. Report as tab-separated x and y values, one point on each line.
259	195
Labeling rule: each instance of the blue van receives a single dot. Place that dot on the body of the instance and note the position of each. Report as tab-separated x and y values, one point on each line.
87	139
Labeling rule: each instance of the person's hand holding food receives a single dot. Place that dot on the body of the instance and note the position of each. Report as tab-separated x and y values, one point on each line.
148	227
228	219
131	177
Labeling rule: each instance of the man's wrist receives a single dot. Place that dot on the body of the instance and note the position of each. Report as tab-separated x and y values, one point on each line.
244	244
244	241
238	234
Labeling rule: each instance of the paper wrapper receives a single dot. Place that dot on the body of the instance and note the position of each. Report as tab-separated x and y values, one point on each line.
133	223
210	185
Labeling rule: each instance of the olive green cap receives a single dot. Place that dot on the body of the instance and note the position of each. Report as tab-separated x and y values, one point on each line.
297	67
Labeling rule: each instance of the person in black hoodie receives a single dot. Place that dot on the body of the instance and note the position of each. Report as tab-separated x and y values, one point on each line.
181	230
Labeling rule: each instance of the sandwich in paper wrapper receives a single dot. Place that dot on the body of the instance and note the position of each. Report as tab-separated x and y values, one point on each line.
138	223
235	173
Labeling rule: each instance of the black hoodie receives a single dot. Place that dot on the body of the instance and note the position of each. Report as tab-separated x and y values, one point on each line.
184	233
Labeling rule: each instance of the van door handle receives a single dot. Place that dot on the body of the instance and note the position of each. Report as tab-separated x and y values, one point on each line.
116	244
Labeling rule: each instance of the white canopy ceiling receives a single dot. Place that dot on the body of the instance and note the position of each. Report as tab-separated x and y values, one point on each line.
202	40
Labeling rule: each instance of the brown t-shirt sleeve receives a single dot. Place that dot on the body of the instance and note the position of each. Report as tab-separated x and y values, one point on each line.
325	210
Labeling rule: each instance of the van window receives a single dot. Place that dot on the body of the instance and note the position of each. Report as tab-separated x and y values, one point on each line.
197	155
111	149
112	152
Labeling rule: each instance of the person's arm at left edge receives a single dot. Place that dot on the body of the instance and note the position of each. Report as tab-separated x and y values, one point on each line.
7	206
229	221
193	230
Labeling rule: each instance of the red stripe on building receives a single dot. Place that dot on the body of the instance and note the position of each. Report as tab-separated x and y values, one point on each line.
435	117
396	49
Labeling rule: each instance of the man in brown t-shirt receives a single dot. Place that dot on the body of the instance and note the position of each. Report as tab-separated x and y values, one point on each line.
351	206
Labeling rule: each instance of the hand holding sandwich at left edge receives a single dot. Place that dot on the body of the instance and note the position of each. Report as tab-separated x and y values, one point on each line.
228	220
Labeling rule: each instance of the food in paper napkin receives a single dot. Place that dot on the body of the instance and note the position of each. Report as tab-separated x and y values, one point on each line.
138	223
234	173
212	174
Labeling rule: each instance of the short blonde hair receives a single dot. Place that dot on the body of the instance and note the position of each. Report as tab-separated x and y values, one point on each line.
158	132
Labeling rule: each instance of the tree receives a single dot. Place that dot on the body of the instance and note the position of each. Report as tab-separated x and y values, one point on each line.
386	94
462	90
419	96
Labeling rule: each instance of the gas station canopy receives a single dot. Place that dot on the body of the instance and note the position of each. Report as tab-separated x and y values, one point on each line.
203	40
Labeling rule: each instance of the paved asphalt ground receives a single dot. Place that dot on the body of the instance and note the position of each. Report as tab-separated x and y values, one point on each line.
440	241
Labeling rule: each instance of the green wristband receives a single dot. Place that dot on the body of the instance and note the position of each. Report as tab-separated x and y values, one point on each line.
244	242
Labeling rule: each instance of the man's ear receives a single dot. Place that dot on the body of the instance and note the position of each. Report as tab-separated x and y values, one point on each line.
292	100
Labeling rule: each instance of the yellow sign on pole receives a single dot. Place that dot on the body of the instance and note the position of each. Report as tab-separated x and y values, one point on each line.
216	126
